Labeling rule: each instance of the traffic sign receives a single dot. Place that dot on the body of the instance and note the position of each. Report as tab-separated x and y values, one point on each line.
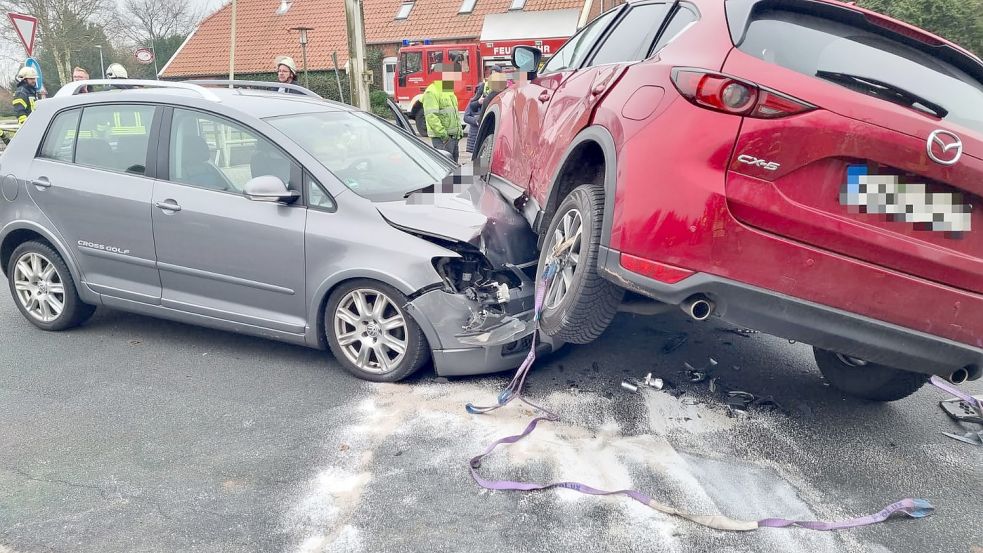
144	55
26	27
31	62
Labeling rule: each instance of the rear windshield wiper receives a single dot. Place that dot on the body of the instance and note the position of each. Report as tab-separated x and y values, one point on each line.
884	90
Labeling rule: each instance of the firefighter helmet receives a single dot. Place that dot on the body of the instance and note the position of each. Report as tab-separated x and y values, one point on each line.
116	71
26	73
287	62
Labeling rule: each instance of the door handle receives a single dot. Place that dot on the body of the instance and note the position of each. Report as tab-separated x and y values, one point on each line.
41	182
544	96
168	205
598	89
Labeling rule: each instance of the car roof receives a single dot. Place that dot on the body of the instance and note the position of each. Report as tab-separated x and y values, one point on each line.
258	103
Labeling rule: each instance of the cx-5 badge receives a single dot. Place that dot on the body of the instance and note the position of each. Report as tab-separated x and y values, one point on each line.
764	164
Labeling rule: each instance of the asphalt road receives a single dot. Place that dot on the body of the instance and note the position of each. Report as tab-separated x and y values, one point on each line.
131	434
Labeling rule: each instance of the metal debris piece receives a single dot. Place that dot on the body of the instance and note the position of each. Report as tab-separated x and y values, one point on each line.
744	332
791	341
629	386
713	385
674	343
656	383
697	376
739	400
960	411
713	363
972	438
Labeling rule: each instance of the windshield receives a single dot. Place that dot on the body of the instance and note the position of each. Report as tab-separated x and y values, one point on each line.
373	158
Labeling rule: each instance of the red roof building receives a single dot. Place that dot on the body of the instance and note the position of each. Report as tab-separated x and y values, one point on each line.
263	30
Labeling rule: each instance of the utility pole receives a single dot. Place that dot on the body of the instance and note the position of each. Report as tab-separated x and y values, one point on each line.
357	76
232	48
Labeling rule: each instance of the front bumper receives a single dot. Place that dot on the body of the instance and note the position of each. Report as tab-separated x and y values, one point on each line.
502	343
807	322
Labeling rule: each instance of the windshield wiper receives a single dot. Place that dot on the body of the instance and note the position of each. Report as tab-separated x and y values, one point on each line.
887	91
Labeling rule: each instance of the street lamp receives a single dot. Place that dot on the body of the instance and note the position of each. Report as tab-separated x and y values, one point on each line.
101	63
303	49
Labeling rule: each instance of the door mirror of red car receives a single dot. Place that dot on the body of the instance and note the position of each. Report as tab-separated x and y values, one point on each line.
526	59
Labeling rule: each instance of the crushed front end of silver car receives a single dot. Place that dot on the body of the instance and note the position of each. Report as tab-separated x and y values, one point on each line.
480	319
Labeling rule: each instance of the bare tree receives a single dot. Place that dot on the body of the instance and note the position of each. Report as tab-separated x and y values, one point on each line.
62	25
152	20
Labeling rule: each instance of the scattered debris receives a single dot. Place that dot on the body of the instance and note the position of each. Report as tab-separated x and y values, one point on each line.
690	401
135	342
699	375
713	385
745	332
972	438
960	410
791	341
737	368
656	383
629	386
674	343
344	447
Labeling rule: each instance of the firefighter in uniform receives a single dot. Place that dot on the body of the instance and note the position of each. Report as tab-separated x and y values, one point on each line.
26	95
440	110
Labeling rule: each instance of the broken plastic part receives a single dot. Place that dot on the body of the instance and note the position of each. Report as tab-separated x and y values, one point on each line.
972	438
960	411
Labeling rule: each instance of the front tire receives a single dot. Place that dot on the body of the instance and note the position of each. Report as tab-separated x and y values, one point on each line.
370	333
579	303
866	380
43	288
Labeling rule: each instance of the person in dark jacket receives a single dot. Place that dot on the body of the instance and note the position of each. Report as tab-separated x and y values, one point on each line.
286	73
26	95
472	115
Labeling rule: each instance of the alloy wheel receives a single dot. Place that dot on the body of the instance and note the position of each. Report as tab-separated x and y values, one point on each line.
371	330
565	245
39	287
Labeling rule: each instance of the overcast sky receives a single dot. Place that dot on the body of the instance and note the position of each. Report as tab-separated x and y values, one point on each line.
12	52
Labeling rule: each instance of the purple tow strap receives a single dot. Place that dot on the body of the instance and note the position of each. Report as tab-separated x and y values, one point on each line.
914	508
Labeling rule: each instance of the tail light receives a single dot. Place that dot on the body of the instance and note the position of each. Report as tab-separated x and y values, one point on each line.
729	95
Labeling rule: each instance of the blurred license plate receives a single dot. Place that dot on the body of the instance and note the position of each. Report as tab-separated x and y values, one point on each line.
904	202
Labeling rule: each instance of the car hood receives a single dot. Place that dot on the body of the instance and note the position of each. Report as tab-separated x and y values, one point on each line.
478	216
448	216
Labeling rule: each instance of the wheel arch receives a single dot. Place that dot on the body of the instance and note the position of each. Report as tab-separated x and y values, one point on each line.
590	158
316	333
15	234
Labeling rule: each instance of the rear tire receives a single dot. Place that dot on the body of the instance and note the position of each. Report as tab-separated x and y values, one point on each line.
579	304
366	337
867	380
43	288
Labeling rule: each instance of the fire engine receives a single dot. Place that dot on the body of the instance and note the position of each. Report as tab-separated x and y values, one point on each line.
418	60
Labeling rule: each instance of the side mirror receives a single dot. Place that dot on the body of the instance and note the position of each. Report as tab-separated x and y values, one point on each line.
267	188
526	59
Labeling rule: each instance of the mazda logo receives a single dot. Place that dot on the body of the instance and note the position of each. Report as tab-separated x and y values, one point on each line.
944	147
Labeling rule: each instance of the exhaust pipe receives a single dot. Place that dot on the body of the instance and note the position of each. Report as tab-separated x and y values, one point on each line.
958	377
698	307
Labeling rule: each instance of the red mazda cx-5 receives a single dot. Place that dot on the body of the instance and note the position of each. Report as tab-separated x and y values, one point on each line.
807	168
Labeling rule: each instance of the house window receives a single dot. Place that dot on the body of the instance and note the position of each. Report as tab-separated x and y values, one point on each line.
404	10
517	4
467	6
389	75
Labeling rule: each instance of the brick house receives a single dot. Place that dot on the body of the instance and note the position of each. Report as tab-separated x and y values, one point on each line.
263	31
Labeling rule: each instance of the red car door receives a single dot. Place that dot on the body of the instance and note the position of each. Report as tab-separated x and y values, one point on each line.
533	99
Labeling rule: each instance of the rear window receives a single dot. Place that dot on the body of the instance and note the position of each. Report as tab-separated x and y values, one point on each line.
809	44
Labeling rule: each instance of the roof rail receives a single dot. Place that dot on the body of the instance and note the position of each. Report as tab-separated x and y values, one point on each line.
73	88
266	85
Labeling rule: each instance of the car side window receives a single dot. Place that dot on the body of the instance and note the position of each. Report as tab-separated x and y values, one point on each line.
59	142
681	20
115	137
573	52
317	196
631	37
211	152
